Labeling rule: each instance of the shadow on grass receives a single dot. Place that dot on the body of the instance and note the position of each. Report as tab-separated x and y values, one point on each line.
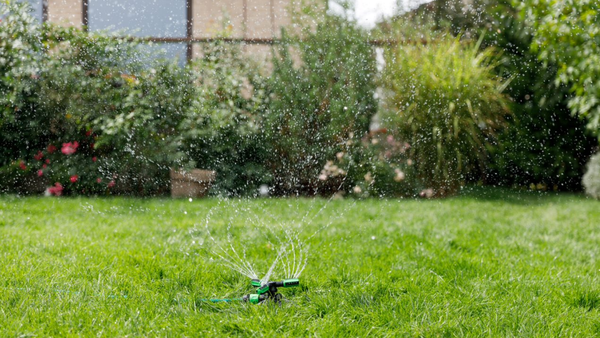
514	196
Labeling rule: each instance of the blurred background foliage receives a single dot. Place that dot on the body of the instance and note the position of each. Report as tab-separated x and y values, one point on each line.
318	101
445	100
492	92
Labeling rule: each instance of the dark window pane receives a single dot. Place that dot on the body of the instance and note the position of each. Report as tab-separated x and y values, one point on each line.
159	18
36	5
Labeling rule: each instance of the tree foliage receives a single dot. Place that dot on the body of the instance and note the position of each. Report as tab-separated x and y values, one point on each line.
543	144
567	33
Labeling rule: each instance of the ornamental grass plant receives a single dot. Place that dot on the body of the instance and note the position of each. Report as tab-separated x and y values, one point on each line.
443	98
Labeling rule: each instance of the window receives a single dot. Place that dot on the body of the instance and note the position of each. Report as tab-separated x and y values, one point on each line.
167	50
36	5
144	18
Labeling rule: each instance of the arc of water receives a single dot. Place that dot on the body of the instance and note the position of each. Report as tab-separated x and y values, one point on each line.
235	263
267	276
298	272
230	260
293	261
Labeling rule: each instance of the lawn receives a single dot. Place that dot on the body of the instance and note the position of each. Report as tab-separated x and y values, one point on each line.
486	263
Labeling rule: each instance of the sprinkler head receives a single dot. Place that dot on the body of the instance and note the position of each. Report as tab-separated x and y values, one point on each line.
269	290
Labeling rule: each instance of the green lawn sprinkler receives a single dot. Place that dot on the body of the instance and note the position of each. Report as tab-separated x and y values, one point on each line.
264	292
268	291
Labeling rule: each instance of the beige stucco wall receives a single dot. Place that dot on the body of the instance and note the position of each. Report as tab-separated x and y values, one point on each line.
65	12
215	17
253	19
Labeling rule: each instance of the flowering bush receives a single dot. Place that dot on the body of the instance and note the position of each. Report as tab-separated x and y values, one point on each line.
92	118
75	169
591	179
376	165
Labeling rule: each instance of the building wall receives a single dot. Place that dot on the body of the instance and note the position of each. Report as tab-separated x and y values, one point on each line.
68	13
214	17
252	19
244	19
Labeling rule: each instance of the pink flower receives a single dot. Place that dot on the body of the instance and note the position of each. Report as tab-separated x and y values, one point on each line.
51	148
56	190
74	178
94	159
44	166
40	173
39	156
69	148
47	161
111	184
99	180
22	165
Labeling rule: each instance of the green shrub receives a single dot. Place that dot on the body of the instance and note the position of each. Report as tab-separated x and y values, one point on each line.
21	57
94	81
542	143
444	99
591	179
317	102
225	133
565	33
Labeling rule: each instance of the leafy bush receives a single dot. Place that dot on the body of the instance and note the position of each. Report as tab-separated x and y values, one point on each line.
21	56
135	111
460	17
566	34
225	133
542	143
317	103
444	99
591	179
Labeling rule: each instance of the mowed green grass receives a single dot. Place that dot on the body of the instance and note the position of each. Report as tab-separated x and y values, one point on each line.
487	263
